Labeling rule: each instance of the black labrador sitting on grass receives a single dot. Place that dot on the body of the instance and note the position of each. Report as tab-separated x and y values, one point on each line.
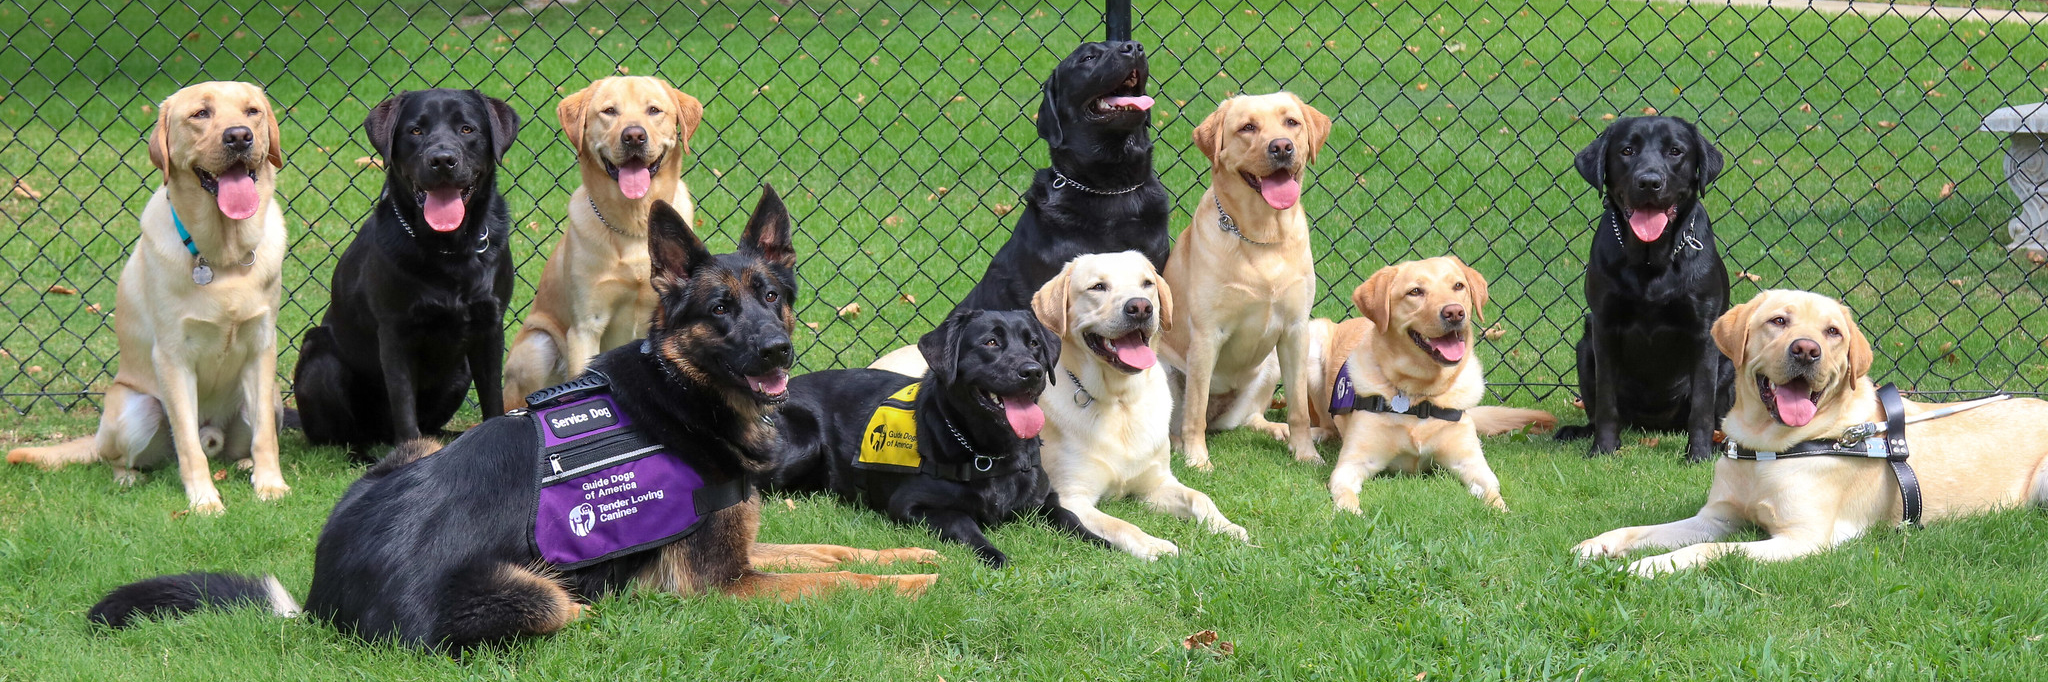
1654	286
1100	195
956	451
419	297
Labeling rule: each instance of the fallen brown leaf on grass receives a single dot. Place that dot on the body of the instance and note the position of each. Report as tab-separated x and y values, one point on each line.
221	475
892	221
21	189
849	310
62	290
1957	282
2037	257
1649	111
93	307
1649	441
1207	639
370	161
1001	209
1607	117
179	514
789	503
812	325
1805	108
907	298
1751	276
35	369
1887	124
1494	333
1948	189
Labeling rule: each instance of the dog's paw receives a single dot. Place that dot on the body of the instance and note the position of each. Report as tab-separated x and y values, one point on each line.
909	554
1310	457
1236	531
19	456
1198	458
1498	504
1606	544
912	586
1346	501
271	490
1319	434
1277	430
1651	567
245	464
126	478
1150	548
208	506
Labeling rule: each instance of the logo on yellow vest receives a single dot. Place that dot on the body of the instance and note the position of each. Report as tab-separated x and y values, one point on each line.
891	440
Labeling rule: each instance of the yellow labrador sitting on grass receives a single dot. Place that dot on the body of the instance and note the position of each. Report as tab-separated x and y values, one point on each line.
630	133
1401	386
1243	277
1106	427
1802	375
196	307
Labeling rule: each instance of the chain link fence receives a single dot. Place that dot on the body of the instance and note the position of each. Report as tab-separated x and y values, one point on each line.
900	133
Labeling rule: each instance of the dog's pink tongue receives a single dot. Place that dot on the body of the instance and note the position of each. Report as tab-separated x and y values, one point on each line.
1132	350
1281	190
634	179
770	384
1647	224
1142	102
1025	417
237	197
444	209
1450	346
1795	403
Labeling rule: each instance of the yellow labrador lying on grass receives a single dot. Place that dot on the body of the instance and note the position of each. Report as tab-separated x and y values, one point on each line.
1401	386
1106	428
630	133
1243	276
196	307
1801	375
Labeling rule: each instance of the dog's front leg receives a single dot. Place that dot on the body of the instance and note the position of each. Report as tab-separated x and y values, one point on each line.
1605	405
259	410
1185	502
1700	421
1466	461
956	526
1293	375
1367	450
487	367
1714	522
812	557
1774	549
1121	534
395	354
792	586
180	387
1194	402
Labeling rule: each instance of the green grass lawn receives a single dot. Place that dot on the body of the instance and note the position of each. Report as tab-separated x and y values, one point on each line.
1427	581
899	133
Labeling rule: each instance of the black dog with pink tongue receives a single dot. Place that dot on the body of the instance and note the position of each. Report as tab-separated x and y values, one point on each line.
977	422
1654	286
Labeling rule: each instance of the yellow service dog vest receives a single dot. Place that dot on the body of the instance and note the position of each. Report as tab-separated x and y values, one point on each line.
890	441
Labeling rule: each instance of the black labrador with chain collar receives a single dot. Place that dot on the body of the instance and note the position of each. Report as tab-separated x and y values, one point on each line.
973	428
419	297
1654	285
1100	195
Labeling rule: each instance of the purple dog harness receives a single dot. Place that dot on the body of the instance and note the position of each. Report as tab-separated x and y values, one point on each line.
606	490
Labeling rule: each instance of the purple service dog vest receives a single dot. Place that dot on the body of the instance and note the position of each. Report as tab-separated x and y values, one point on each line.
606	490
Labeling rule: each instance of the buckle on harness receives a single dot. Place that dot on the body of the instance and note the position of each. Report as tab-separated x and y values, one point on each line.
1855	435
983	463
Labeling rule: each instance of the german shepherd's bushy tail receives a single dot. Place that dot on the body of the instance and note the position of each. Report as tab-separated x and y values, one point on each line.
170	596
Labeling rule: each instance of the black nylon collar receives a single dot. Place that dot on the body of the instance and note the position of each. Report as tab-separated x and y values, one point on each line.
1423	409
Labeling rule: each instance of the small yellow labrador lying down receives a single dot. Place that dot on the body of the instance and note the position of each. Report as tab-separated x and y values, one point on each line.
1806	352
197	315
630	133
1401	386
1106	428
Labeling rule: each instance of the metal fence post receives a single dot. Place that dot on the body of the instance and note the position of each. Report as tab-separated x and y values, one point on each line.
1116	19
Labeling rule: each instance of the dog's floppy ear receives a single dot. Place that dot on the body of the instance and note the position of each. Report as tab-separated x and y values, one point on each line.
1475	283
1048	352
504	125
380	123
572	112
1209	134
1860	354
1372	297
689	114
1709	157
1592	161
1318	128
1048	113
1731	330
1050	302
1165	303
941	347
160	139
768	230
673	250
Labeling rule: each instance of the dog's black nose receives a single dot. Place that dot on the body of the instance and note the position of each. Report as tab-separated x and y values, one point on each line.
1650	181
635	136
442	161
1031	371
1139	309
1131	48
1804	351
776	353
238	138
1453	314
1281	149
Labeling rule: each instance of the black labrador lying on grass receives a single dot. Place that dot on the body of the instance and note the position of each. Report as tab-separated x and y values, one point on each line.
956	451
420	295
1654	286
1100	195
456	548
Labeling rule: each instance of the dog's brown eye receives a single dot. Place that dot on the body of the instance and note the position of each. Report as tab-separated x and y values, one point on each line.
252	111
1291	123
1032	342
1678	151
654	111
203	113
1628	151
720	309
1834	332
1099	286
1148	282
773	297
1780	321
467	130
1417	291
1458	287
990	343
1249	128
610	111
417	131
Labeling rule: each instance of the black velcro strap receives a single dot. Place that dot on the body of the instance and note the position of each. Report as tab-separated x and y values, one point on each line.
715	496
969	471
1895	446
1424	409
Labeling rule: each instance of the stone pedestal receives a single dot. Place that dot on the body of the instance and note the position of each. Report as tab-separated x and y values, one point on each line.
2026	171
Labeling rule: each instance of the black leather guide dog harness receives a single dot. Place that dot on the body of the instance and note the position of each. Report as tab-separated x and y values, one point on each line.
1861	441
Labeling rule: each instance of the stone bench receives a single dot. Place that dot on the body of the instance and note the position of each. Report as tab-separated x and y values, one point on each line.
2026	171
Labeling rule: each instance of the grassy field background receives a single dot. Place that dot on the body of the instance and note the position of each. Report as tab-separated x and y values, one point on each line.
900	134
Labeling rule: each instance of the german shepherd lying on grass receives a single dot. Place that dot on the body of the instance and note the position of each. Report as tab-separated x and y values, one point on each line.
443	550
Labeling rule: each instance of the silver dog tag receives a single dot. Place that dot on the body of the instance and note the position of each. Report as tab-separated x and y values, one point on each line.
1399	402
202	275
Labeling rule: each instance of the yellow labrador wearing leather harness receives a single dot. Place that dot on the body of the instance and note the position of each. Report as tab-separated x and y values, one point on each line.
1802	371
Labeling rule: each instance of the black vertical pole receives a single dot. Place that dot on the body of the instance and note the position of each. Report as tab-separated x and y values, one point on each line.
1116	19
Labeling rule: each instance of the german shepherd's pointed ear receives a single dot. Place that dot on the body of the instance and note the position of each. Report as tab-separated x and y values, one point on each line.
160	139
1475	283
1709	157
1050	302
1731	330
380	124
1048	113
1209	134
673	250
1372	297
941	346
768	230
572	112
1592	161
504	125
689	115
